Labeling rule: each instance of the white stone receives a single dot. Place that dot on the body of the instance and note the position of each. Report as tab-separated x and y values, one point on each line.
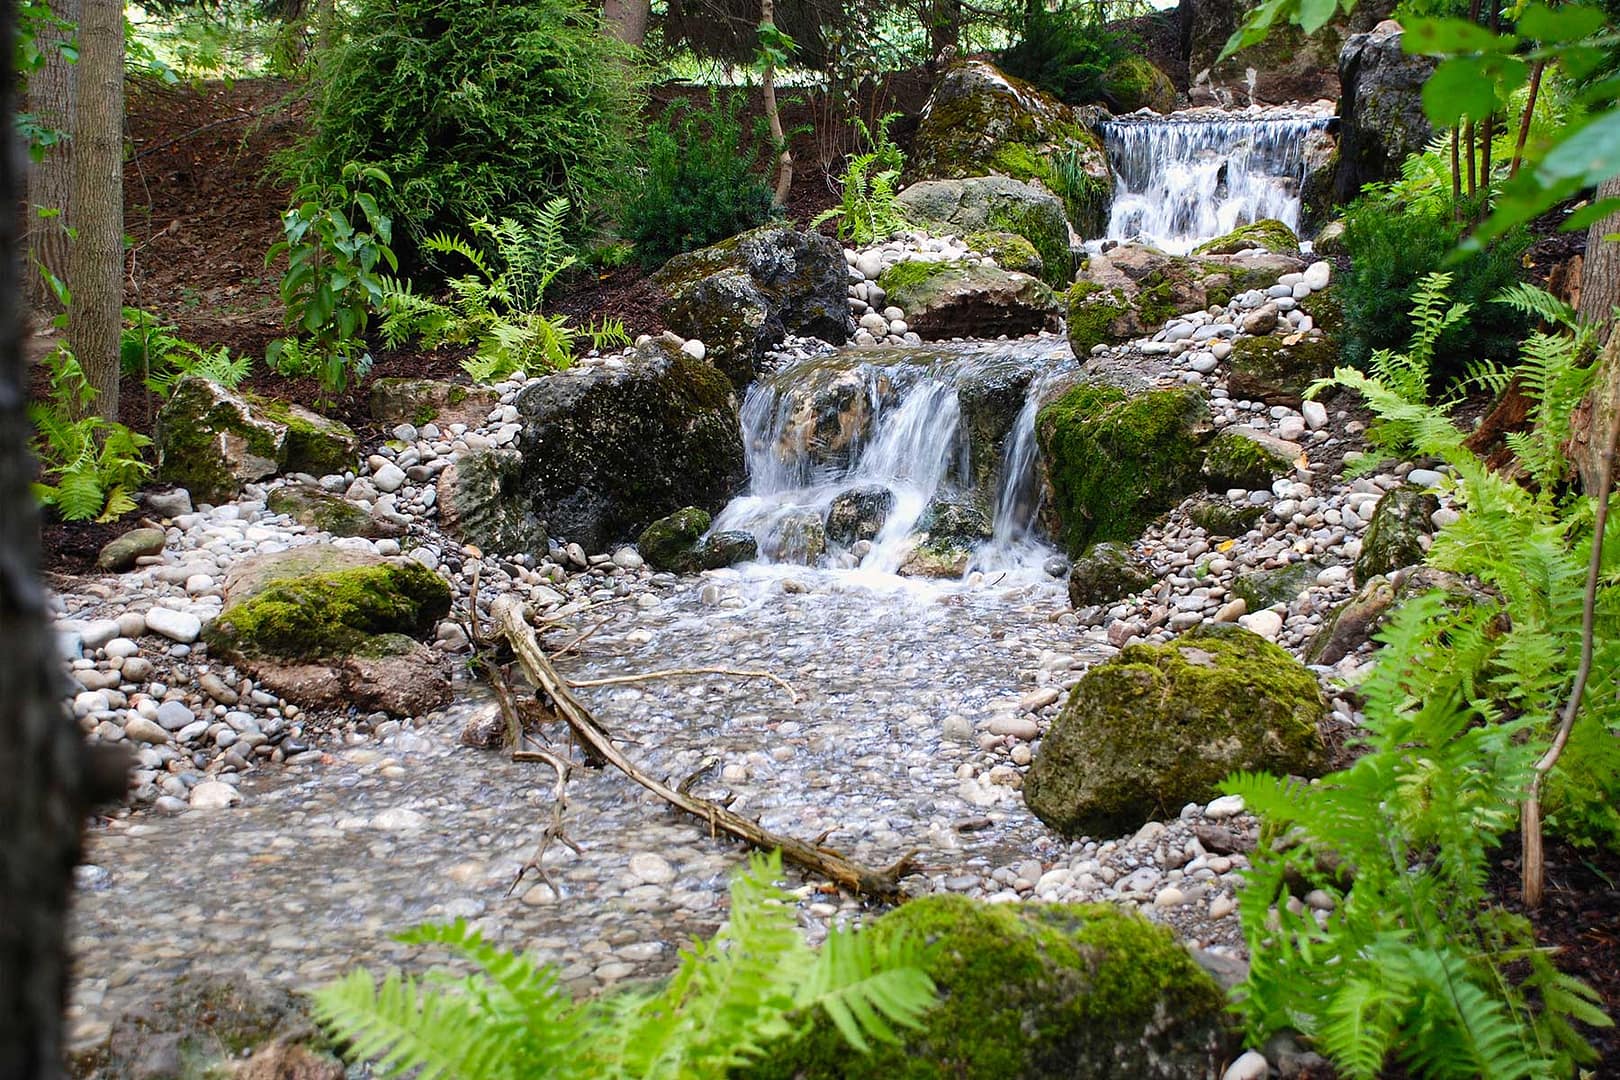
1019	727
1036	700
1318	274
98	633
214	795
181	626
1224	807
695	349
1251	1066
1424	477
389	477
1316	415
650	868
1268	624
398	819
140	729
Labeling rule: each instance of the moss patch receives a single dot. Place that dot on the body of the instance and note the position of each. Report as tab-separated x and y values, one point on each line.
1267	233
1080	991
1262	368
1135	83
1116	461
1096	316
324	616
1011	251
1235	460
1159	726
1049	238
909	274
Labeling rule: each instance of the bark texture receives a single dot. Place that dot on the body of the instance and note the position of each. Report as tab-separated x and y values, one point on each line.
96	262
51	778
1600	294
1600	268
627	20
51	93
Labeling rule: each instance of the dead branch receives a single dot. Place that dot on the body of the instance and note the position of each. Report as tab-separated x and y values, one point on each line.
510	623
1530	814
554	830
647	676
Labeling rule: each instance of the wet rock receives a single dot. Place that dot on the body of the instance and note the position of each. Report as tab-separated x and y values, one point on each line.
743	296
979	206
1161	725
120	554
946	300
1222	517
316	509
481	501
1395	536
608	451
1241	457
1134	82
214	795
1018	998
1382	119
1268	234
1108	571
213	440
1260	589
798	538
858	514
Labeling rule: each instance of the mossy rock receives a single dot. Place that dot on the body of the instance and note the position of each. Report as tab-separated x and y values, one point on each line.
959	299
1222	517
980	120
1117	460
1009	250
328	513
1245	458
799	538
119	554
1330	239
481	502
1160	726
1263	368
859	514
1396	534
424	401
1107	572
1267	233
979	205
1260	589
668	543
333	614
1097	316
1134	82
1039	991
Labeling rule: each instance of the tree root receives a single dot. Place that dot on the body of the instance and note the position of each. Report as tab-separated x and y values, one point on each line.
648	676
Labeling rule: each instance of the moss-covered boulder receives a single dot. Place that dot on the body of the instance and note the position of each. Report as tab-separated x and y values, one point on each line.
681	543
1098	316
1038	991
1268	234
742	296
799	537
212	440
1330	239
1107	572
1009	250
328	513
325	631
1222	517
1160	726
980	121
608	451
481	501
1398	534
859	514
1242	457
1352	624
958	299
1135	82
430	401
1260	589
976	204
1116	460
119	554
950	527
1267	368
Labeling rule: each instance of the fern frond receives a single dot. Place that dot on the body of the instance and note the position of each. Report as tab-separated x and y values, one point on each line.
402	1028
868	989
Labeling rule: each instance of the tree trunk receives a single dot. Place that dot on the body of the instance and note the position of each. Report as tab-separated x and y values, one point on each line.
784	175
1600	293
944	28
96	263
627	20
325	26
51	92
50	777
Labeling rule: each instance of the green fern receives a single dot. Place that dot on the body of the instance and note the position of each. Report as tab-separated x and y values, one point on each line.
753	986
870	210
89	465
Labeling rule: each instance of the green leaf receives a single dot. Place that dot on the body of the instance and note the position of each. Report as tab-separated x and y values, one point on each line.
1571	22
1591	155
1459	89
1446	37
1591	213
1315	14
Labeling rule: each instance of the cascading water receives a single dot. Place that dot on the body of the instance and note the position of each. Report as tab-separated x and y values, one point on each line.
901	447
1179	182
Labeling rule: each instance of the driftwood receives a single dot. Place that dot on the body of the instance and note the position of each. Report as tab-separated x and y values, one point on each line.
511	624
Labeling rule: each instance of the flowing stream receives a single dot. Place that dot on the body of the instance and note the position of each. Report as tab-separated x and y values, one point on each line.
1179	182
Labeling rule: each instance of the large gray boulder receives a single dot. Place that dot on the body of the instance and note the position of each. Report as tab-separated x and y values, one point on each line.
980	120
211	440
481	502
608	451
998	204
958	299
742	296
1160	726
1381	118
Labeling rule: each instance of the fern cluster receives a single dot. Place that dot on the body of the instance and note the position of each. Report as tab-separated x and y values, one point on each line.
753	985
869	210
88	466
497	306
161	357
1414	962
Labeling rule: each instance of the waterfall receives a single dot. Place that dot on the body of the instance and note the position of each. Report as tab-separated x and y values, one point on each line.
925	435
1179	182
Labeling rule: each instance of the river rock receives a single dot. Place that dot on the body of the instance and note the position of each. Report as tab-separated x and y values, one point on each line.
1117	459
858	514
214	795
1267	369
607	451
742	296
946	300
1107	572
1241	457
212	440
1395	536
978	207
120	554
423	401
1018	997
1160	726
317	509
980	121
481	501
178	626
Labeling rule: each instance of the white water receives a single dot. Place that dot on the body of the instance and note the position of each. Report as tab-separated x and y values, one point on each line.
1178	183
896	423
